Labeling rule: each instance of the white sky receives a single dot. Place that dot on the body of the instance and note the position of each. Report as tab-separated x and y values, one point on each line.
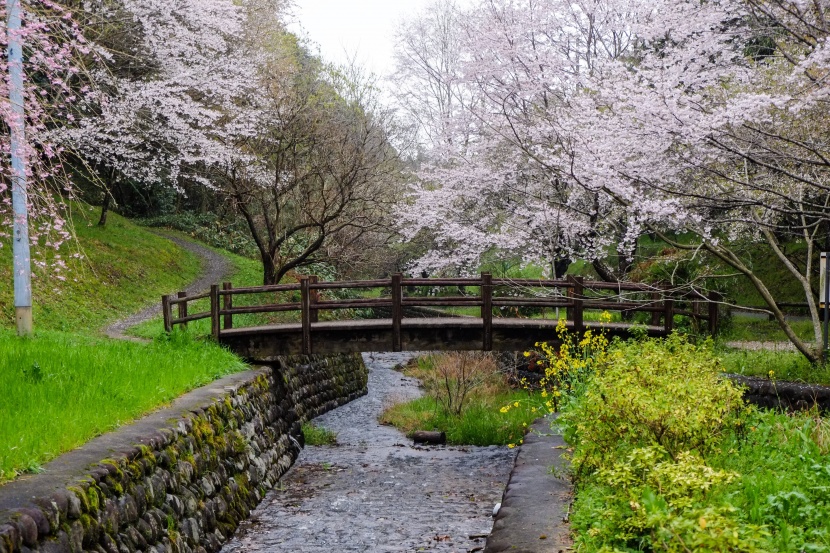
363	28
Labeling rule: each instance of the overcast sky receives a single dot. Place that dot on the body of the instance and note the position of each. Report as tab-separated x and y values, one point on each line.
363	28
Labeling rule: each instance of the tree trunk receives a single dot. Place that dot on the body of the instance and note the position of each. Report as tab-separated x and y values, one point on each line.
269	271
105	208
603	271
560	267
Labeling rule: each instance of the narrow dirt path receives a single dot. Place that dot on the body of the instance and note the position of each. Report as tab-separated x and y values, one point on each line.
215	268
754	345
375	491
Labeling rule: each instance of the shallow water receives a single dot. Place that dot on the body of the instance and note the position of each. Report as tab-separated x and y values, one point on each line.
374	490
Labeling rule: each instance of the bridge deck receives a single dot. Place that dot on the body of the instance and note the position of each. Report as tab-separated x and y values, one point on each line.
417	334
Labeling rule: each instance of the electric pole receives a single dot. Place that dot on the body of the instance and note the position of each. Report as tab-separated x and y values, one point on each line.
20	238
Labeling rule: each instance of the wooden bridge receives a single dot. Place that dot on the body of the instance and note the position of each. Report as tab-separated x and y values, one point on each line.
415	314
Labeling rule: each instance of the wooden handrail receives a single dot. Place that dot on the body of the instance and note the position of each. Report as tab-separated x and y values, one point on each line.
487	310
185	298
397	311
305	305
577	295
182	308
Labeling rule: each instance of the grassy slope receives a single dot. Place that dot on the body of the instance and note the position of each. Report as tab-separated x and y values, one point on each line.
67	384
125	268
246	272
53	403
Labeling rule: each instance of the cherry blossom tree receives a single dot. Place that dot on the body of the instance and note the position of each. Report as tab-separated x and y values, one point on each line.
527	209
54	47
168	94
669	116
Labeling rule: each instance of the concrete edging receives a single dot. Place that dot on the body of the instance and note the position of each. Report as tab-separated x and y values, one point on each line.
536	502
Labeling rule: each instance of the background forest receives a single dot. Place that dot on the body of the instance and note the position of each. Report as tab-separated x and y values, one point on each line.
676	142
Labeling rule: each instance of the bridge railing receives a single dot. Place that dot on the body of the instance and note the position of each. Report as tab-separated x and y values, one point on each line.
398	294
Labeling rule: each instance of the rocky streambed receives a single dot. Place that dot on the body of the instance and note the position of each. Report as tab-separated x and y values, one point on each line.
374	490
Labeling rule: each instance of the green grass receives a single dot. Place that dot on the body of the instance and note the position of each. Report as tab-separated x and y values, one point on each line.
480	423
246	272
66	383
316	435
60	389
481	420
125	268
791	366
746	328
784	467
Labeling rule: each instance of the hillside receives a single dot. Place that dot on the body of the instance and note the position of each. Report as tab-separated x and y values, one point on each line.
123	268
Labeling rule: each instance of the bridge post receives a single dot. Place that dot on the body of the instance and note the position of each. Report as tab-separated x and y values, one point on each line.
487	310
576	292
714	299
305	306
182	307
167	311
668	315
227	304
655	315
313	298
397	311
214	311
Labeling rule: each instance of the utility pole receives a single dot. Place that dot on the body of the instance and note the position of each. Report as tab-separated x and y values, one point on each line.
20	238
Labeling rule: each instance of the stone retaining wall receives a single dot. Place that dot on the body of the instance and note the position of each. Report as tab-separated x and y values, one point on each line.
181	479
787	396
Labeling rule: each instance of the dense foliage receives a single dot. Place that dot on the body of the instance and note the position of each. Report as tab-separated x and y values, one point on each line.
160	107
668	458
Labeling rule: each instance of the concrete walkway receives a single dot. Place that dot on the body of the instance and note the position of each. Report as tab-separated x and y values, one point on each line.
534	512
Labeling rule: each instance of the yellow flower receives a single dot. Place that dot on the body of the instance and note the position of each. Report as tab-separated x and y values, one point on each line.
515	404
505	409
511	446
527	354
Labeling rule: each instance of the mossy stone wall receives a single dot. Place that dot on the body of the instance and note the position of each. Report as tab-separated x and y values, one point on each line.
183	478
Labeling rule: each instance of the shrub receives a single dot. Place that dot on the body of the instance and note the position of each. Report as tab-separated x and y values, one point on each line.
456	375
568	368
650	499
652	393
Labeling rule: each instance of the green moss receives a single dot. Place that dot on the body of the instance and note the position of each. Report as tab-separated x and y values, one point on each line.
82	497
86	522
135	470
119	474
93	495
173	455
240	444
116	487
